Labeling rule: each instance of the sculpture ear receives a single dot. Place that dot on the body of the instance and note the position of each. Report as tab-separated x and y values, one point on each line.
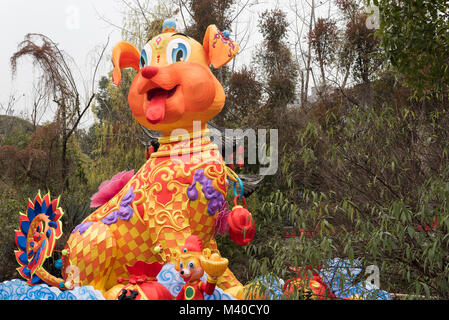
219	48
124	55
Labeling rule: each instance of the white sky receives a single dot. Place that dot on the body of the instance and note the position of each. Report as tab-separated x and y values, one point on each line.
74	25
77	28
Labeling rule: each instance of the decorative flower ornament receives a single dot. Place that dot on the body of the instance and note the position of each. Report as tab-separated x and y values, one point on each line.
40	227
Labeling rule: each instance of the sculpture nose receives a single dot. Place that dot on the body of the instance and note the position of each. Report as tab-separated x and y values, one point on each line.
182	271
149	72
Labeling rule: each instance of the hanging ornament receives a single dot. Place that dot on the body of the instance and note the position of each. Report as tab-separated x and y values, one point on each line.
241	224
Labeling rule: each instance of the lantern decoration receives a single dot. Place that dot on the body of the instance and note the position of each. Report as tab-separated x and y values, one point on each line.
144	217
242	227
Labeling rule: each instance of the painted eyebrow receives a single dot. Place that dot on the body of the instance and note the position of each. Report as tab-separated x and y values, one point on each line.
180	34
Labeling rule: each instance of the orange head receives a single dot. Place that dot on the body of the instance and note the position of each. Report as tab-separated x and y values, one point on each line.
175	86
189	263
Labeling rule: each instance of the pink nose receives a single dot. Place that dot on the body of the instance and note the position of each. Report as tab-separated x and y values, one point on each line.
149	72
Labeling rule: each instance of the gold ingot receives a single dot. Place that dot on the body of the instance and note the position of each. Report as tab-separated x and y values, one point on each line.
215	266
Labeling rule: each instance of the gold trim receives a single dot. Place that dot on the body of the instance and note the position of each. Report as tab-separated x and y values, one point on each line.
212	281
185	293
231	174
190	136
180	152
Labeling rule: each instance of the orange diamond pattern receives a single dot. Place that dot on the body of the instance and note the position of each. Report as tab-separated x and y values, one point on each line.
103	251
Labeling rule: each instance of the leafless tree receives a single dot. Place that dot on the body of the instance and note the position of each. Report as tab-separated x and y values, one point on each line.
142	19
58	83
7	108
39	104
304	19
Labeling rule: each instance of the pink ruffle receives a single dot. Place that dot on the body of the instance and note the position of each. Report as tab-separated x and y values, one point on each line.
109	188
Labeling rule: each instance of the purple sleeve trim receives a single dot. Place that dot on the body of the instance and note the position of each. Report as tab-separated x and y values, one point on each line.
125	212
82	227
216	198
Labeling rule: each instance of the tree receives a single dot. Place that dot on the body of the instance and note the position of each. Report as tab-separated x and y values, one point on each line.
143	19
322	39
39	105
414	35
360	51
362	183
276	63
119	142
206	12
58	83
243	100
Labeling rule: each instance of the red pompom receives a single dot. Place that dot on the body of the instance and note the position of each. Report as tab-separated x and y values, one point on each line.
241	226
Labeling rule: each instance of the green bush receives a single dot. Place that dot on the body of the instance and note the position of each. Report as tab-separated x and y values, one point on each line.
9	220
364	183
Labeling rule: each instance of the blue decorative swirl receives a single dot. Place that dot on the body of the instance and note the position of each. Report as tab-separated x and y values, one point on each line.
171	279
339	276
19	290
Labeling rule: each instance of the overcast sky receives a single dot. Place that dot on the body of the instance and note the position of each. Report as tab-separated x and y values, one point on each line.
77	27
74	25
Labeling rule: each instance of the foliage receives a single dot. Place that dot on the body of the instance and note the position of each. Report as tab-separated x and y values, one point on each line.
363	169
322	39
10	205
360	49
58	83
14	131
118	137
143	20
242	100
206	12
366	184
275	62
415	35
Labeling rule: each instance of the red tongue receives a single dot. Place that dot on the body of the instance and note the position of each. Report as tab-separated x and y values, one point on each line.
156	107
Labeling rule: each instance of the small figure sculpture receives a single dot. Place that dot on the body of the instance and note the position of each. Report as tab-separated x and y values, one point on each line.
192	264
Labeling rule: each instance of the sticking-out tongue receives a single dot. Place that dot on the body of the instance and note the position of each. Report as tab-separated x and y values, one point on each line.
156	107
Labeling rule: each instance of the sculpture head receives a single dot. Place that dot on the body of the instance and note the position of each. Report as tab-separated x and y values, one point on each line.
174	86
189	263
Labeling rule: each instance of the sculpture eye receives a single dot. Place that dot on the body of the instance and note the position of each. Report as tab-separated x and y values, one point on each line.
191	265
180	265
146	56
178	50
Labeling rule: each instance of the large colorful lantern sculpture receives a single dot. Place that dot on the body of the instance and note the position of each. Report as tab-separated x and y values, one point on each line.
179	191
